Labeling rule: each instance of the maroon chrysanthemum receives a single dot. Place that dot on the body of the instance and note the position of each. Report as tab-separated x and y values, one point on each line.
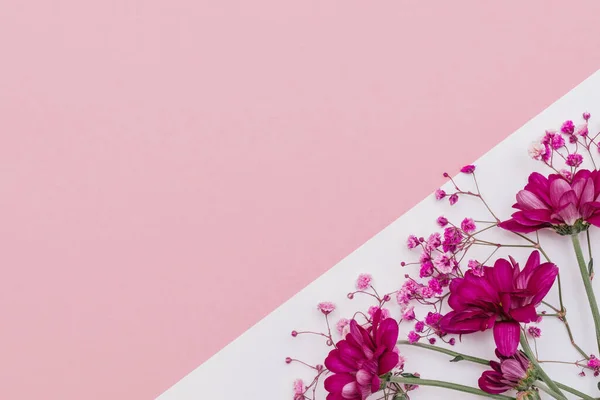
361	358
557	202
500	299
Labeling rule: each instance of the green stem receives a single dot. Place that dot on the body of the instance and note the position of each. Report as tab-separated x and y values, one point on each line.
574	391
448	385
547	390
482	361
587	283
451	353
540	370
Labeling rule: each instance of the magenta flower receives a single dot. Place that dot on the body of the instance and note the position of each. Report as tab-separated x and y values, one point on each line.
514	372
361	358
500	299
567	206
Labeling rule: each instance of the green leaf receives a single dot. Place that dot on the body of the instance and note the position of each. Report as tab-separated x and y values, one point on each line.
408	375
457	359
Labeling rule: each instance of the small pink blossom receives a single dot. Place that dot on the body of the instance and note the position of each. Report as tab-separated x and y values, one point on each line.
534	331
408	314
413	337
468	225
468	169
574	160
568	127
476	267
572	139
426	269
442	221
435	286
453	199
444	263
557	142
363	282
341	325
420	326
432	319
537	150
385	313
440	194
433	241
326	307
582	130
426	292
412	242
298	389
566	174
401	359
452	341
593	362
586	116
432	340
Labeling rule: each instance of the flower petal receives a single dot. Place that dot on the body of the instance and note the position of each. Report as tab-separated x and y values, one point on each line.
387	362
524	314
506	336
558	187
335	383
491	382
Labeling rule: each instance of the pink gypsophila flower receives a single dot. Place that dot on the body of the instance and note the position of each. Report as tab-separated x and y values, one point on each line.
444	263
413	337
534	332
341	325
326	307
557	142
298	389
408	314
440	194
586	116
385	313
363	282
468	225
412	242
442	221
475	267
574	160
433	241
593	362
468	169
537	150
582	130
420	326
426	269
452	238
453	199
568	127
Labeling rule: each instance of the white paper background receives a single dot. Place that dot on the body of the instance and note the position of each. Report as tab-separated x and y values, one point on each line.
252	367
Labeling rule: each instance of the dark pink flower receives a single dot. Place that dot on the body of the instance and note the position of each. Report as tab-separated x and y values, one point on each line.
514	372
442	221
586	116
361	358
568	206
500	299
453	199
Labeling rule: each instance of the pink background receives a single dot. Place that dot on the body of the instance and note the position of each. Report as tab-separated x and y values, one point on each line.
171	171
